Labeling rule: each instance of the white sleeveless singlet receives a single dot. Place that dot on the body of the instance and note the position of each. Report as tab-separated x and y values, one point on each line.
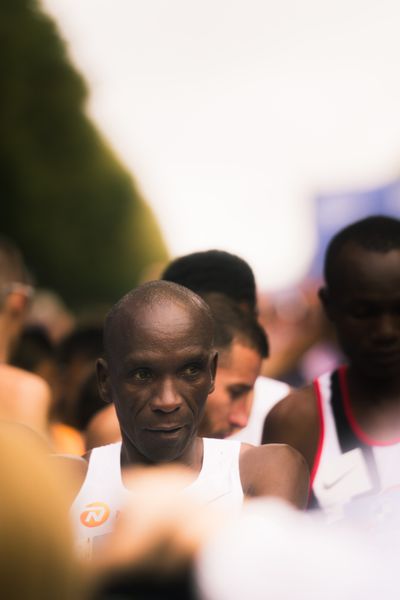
350	467
99	501
267	393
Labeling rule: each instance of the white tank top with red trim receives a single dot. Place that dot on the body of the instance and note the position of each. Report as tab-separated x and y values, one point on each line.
103	494
349	467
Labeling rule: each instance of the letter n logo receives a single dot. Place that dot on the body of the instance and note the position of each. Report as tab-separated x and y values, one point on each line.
95	514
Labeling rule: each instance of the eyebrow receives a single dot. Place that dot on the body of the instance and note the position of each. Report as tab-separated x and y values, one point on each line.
245	387
185	356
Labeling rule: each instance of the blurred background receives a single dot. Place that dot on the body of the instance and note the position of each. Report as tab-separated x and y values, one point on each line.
133	132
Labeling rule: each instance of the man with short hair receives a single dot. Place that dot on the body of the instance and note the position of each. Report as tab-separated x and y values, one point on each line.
24	397
158	369
242	345
215	271
225	273
347	425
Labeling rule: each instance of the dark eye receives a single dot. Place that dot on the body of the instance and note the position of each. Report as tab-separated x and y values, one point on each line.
361	311
237	392
141	374
191	370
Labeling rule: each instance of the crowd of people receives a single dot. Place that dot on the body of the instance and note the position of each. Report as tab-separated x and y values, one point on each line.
149	457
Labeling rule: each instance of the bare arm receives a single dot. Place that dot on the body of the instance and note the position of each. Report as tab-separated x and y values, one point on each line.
73	470
24	398
275	470
294	421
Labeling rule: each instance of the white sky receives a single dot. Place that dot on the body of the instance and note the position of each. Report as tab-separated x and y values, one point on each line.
232	114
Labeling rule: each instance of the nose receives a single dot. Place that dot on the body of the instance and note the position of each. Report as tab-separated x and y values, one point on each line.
167	399
239	413
386	330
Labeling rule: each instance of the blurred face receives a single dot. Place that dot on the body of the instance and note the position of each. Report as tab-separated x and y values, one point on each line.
365	309
159	375
229	405
15	305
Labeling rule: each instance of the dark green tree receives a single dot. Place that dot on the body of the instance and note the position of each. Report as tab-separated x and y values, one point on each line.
73	209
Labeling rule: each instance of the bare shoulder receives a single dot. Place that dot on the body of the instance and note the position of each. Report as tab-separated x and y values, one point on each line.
23	381
103	428
275	470
74	470
272	454
294	421
299	403
24	397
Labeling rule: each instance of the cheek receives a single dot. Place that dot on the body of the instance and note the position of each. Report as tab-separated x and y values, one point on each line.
199	403
217	402
195	394
128	402
249	402
351	334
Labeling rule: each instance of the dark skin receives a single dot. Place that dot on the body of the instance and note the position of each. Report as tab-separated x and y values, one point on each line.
363	303
159	369
159	374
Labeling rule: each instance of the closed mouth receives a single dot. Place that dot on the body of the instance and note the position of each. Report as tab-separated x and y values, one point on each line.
168	429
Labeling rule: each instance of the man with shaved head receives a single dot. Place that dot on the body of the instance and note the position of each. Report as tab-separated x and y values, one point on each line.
347	423
158	369
155	330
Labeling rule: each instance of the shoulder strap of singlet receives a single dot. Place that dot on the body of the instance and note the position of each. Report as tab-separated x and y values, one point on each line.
105	461
347	438
217	452
312	502
220	472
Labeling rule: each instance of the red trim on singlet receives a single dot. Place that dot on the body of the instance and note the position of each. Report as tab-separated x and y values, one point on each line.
362	436
321	433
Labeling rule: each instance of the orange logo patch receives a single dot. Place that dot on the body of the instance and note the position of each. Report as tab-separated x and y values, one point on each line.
95	514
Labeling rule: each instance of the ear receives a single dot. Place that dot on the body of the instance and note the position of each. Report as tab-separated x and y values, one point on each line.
213	368
103	380
326	302
15	304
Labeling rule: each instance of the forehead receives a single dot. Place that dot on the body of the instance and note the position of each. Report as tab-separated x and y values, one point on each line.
241	366
239	357
362	271
160	326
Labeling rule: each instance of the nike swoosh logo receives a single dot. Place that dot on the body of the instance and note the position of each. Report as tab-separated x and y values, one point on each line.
331	484
218	497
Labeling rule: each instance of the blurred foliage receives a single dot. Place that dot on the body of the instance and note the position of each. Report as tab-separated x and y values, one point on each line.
65	199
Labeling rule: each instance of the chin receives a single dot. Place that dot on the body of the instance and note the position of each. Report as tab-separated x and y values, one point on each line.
235	430
210	433
381	371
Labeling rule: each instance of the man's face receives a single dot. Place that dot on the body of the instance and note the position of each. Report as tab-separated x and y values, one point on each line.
159	376
229	405
365	309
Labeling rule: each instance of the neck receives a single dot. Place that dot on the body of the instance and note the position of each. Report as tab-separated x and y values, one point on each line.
192	457
374	389
374	409
5	342
10	329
